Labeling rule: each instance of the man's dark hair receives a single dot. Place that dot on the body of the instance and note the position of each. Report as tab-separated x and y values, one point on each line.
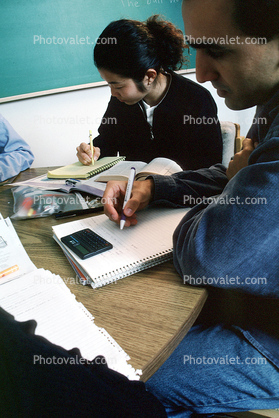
257	18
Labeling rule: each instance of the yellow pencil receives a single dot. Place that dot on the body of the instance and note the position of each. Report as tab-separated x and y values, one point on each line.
91	146
9	271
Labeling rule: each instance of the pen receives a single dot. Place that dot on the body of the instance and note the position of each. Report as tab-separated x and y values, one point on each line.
91	146
127	195
9	271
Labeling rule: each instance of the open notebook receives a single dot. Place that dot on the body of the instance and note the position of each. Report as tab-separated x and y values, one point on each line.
80	171
134	249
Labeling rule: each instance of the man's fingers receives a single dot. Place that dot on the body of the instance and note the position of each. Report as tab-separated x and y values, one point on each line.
131	207
248	144
113	199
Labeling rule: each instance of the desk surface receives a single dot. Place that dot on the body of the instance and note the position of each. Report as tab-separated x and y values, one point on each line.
148	313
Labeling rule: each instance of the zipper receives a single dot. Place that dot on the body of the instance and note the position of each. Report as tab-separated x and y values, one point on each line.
150	127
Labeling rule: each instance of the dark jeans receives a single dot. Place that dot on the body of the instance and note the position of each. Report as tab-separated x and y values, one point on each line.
213	370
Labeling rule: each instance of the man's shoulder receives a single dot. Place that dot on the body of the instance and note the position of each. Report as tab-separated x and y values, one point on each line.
269	116
273	131
268	148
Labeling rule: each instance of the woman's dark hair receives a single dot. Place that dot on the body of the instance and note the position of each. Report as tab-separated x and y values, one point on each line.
129	47
257	18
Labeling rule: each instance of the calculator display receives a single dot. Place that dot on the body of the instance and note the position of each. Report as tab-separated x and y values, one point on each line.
86	243
82	249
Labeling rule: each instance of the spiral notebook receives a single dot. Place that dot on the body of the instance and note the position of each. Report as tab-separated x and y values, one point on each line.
134	249
79	171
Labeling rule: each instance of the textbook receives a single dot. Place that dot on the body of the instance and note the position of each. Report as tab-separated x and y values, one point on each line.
89	186
134	249
121	171
79	171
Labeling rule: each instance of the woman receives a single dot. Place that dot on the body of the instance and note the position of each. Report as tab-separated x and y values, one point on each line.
153	112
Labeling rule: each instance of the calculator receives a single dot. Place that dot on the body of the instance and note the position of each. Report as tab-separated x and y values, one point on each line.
86	243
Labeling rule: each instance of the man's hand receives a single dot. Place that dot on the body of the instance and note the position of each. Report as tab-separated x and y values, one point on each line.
142	193
84	153
240	159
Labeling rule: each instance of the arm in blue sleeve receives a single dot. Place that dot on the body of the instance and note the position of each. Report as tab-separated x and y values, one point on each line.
15	153
231	242
189	187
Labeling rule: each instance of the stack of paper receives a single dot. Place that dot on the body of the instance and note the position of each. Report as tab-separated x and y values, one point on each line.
14	261
44	297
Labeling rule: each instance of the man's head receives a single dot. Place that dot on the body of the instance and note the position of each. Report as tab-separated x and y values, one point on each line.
237	45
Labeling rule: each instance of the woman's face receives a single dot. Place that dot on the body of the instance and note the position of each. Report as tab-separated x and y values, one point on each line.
124	89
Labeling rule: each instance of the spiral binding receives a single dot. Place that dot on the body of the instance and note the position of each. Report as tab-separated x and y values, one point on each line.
129	269
104	167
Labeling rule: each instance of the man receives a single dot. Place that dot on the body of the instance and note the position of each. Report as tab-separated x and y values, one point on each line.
229	241
15	153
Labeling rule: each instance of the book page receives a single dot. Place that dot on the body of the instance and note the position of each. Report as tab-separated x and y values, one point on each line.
120	171
14	261
44	297
160	165
44	183
41	182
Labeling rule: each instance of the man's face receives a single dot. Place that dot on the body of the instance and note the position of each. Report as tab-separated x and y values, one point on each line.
242	69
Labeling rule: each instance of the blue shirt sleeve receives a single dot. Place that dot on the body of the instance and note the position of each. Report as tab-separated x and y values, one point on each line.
231	241
189	187
15	153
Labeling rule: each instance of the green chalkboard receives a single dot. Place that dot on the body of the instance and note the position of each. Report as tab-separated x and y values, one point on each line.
48	44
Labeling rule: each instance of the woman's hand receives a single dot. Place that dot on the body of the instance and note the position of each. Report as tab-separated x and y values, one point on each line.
84	153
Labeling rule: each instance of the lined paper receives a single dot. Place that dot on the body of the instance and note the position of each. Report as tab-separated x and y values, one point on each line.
134	248
43	296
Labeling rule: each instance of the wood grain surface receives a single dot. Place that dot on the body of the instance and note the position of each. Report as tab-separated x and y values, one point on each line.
148	313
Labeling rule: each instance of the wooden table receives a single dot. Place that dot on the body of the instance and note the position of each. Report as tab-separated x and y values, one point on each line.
148	313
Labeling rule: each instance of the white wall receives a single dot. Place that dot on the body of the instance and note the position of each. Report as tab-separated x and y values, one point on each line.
54	125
